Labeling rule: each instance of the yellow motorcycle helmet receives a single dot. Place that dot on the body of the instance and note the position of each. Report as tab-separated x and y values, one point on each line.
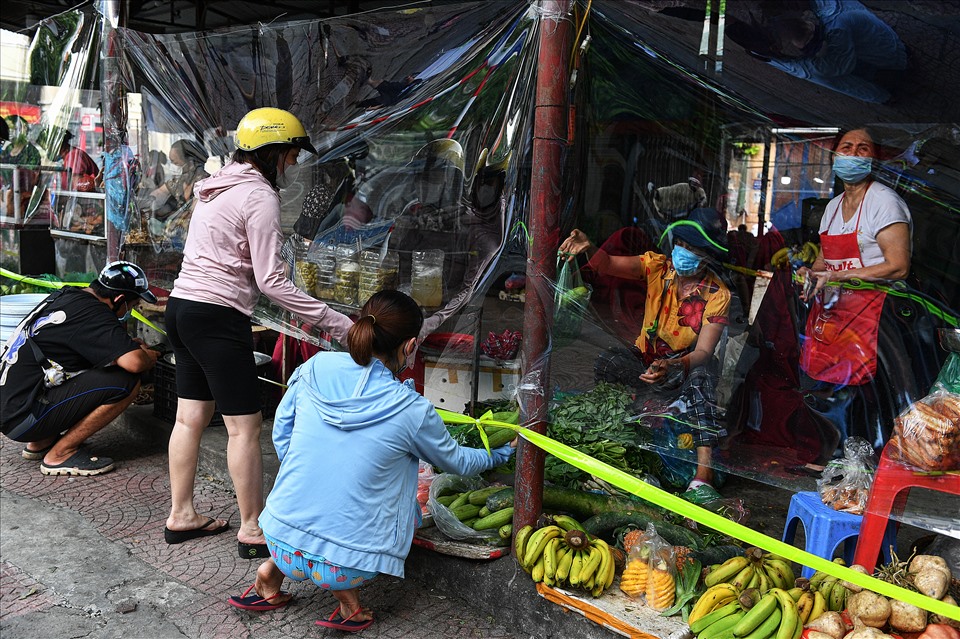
268	125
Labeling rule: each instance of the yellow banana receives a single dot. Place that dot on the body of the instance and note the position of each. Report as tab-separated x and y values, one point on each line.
550	559
590	566
805	606
727	571
756	615
606	570
789	617
574	577
564	564
765	583
537	571
782	570
538	541
520	542
708	600
819	606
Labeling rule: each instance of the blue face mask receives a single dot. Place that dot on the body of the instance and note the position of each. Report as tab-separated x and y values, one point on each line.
685	262
851	168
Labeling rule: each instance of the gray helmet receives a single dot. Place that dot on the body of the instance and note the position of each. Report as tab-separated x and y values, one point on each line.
126	277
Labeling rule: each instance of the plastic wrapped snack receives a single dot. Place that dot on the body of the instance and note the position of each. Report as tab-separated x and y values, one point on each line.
845	483
927	435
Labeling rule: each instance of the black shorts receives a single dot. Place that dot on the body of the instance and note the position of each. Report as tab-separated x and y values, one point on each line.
213	346
61	407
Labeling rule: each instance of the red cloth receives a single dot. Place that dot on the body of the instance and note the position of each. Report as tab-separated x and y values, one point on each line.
621	301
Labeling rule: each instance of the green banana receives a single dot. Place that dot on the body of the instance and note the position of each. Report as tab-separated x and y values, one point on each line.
826	587
816	579
742	580
756	615
520	542
768	627
727	571
567	523
721	626
796	592
538	541
712	617
838	597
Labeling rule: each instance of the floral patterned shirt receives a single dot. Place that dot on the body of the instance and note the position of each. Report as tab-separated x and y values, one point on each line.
671	324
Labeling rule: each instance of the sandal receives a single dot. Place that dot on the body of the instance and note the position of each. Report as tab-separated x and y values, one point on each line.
337	622
80	464
246	601
35	455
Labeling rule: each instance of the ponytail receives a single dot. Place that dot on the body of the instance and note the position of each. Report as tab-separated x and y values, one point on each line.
388	319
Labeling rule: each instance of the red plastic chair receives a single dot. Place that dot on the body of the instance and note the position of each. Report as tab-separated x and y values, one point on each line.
891	485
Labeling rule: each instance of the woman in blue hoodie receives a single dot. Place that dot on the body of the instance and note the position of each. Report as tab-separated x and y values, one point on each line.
349	436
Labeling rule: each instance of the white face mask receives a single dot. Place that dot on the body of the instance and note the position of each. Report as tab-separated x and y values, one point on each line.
288	176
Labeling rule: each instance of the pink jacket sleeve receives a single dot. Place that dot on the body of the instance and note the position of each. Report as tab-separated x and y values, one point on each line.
265	237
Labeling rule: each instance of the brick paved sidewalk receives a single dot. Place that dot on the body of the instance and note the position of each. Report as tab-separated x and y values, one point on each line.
114	524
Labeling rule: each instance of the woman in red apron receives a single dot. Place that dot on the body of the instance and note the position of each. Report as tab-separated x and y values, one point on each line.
864	236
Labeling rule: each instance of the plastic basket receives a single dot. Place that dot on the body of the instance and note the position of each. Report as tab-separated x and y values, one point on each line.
165	395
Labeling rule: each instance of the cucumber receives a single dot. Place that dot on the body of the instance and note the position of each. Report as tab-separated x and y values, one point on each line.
446	500
479	497
494	520
461	499
601	524
575	502
466	511
500	437
484	511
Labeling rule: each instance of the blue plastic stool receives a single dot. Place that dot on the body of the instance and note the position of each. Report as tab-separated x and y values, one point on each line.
826	528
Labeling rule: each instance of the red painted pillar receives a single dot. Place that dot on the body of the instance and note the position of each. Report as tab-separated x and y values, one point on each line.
549	145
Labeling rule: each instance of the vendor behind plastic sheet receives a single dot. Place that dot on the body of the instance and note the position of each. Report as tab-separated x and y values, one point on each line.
673	360
341	524
231	256
79	166
70	368
483	221
20	152
188	159
865	234
438	176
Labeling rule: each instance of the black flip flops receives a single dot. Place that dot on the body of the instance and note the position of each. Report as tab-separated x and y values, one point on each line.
180	536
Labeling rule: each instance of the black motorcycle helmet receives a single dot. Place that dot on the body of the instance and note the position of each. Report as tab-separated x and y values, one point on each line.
126	277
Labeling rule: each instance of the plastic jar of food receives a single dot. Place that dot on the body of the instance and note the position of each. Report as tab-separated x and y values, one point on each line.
426	278
326	257
376	275
347	275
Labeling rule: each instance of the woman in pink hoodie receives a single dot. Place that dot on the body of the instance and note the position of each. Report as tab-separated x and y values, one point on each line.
232	255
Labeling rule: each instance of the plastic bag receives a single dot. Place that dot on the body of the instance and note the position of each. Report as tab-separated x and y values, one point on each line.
949	378
443	517
927	434
425	477
845	483
570	301
651	571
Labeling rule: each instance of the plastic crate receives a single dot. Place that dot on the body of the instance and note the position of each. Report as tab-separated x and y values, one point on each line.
165	395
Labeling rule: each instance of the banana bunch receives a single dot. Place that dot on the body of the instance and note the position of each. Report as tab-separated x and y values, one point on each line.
755	569
795	256
561	553
830	588
773	615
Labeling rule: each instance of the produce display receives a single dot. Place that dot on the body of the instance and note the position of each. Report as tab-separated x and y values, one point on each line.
563	554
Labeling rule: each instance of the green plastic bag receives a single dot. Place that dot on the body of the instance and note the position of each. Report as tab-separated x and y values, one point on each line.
949	377
570	301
